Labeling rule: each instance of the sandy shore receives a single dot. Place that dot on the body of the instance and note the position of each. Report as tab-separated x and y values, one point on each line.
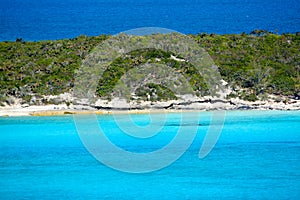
49	110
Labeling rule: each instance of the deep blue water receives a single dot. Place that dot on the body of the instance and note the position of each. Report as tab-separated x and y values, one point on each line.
257	157
57	19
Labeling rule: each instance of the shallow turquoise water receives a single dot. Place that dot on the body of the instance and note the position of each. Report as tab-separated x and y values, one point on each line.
256	157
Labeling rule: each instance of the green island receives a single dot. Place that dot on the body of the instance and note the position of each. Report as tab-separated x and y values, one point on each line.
254	65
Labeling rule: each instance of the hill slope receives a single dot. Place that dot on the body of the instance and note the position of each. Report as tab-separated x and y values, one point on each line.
254	66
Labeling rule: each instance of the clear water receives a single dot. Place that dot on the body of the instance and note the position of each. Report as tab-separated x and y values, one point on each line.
257	157
57	19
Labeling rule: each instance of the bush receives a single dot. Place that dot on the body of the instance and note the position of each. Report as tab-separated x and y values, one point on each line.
250	97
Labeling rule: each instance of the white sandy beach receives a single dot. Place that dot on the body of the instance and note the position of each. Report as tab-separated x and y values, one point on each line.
146	107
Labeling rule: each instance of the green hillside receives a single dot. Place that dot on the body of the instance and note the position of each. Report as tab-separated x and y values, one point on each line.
253	64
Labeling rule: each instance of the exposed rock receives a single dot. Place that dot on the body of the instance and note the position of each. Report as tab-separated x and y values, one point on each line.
9	101
244	107
33	100
25	105
56	101
297	96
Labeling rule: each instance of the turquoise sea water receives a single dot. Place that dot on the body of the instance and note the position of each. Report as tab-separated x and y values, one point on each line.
256	157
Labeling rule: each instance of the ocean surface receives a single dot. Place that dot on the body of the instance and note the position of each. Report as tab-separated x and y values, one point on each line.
57	19
256	157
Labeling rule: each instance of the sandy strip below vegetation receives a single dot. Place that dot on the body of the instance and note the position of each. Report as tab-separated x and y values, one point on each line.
50	110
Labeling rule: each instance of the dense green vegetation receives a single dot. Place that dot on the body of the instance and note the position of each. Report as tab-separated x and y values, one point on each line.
41	68
253	64
123	64
162	92
260	62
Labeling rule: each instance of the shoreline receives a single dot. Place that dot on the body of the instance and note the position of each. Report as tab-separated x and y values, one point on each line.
58	110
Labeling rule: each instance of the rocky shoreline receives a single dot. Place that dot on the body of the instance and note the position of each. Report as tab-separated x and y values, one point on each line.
118	106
